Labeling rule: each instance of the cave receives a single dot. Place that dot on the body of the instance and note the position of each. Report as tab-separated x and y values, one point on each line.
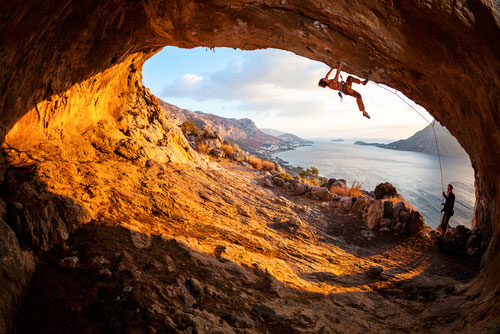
71	88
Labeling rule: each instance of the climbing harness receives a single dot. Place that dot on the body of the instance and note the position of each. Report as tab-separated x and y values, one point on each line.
341	88
430	123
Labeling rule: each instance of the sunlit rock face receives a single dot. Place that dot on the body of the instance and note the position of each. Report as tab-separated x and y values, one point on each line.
67	67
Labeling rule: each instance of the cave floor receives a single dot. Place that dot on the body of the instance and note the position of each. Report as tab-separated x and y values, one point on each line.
179	248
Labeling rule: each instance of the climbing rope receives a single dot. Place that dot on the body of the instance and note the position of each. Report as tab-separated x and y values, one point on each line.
430	123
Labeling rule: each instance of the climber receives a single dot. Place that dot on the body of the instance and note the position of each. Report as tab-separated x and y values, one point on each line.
344	87
447	209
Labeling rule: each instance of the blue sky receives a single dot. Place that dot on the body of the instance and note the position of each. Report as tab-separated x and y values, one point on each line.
276	89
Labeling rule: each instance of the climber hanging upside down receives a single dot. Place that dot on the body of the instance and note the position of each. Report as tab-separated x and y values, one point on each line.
344	87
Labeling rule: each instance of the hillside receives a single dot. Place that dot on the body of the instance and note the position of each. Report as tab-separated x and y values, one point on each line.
423	141
272	132
243	131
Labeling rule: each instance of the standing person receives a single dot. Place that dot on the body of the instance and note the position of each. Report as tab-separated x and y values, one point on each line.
344	87
447	209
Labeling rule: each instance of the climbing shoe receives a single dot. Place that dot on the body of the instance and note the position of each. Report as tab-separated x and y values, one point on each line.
366	114
364	83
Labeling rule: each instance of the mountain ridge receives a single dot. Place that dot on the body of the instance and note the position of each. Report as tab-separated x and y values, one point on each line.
423	141
242	132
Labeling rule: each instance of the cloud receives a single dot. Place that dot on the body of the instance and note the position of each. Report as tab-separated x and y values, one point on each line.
271	82
278	88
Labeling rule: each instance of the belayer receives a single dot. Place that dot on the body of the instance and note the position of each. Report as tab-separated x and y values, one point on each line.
344	87
447	209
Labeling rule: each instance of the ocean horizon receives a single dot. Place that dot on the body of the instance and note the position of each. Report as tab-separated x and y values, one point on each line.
415	175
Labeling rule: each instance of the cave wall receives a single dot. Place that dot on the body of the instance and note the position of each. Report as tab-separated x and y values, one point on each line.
67	66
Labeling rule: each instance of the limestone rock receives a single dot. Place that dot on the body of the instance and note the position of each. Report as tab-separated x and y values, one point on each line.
278	181
388	209
217	152
295	221
360	204
346	203
375	214
398	207
300	189
239	157
368	234
268	183
62	76
385	223
376	270
320	193
416	222
17	267
140	240
130	149
340	183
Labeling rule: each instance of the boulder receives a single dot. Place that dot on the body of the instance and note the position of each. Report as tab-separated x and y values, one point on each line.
346	203
217	152
360	204
300	189
416	222
368	234
375	214
331	182
209	132
211	144
140	240
456	240
397	208
279	169
376	270
294	221
239	156
278	181
340	183
388	209
320	193
268	183
385	223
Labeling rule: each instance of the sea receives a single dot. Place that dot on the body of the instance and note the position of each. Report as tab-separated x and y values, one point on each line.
415	175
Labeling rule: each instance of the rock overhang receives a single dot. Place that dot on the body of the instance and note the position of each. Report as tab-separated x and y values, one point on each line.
62	62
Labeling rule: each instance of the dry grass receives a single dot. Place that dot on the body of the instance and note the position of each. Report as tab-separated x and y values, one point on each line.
395	200
268	165
202	148
310	182
255	162
353	191
228	149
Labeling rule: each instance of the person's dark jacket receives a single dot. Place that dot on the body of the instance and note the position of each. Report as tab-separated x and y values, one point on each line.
450	202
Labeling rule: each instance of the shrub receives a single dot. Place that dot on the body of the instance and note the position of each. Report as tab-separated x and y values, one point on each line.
202	147
268	165
385	190
323	181
255	162
228	149
188	127
310	174
285	176
353	191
